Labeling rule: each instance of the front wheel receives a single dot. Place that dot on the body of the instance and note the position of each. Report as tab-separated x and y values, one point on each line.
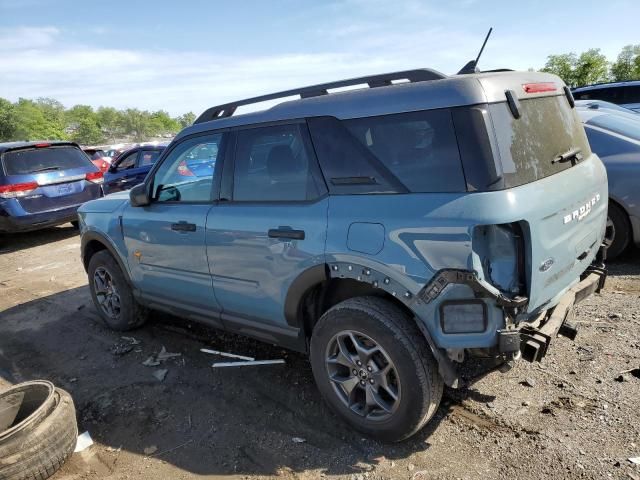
374	368
112	294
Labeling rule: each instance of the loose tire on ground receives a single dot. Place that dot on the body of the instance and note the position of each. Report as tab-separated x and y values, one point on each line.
378	326
618	231
43	434
112	294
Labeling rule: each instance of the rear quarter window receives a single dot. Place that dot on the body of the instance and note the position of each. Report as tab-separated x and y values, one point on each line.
414	152
38	160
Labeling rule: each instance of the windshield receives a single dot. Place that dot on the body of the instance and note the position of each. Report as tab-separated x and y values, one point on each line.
34	160
629	127
547	128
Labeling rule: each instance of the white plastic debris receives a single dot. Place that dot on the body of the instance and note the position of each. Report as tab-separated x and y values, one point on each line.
247	363
635	460
84	441
151	362
225	354
131	340
160	374
164	355
298	440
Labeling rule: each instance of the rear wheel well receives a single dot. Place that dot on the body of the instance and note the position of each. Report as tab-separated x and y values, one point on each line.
324	295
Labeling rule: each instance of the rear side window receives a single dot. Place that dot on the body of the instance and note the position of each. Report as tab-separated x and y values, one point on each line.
38	160
148	157
632	94
275	164
608	94
418	148
548	127
407	152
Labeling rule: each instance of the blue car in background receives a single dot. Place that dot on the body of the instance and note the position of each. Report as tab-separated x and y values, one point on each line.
131	167
615	138
42	184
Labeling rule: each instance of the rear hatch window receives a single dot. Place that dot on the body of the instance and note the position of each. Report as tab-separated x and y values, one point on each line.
42	160
547	128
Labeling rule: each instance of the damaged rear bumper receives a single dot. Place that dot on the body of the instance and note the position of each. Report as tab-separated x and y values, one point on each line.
533	342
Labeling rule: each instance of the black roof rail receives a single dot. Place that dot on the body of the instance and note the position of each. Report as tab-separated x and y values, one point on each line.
380	80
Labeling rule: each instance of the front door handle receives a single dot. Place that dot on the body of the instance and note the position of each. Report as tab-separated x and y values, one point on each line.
183	226
286	232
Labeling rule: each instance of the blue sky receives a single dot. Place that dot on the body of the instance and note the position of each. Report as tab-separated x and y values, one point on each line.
188	55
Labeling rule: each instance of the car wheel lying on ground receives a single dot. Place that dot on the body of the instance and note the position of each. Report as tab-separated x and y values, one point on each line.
394	232
38	430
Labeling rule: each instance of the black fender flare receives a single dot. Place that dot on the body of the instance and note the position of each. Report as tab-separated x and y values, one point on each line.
93	236
299	287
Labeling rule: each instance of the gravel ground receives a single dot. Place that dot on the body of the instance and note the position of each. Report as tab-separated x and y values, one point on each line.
573	416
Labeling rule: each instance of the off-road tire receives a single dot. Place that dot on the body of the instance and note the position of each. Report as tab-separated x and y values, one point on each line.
395	331
622	228
37	449
132	314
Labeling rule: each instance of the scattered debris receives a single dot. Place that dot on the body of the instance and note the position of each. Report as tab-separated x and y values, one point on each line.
84	441
150	450
131	340
225	354
73	380
151	362
528	382
614	316
164	355
635	460
249	363
298	440
160	374
121	348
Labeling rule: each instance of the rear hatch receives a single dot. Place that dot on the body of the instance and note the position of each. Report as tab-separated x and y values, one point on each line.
545	156
46	177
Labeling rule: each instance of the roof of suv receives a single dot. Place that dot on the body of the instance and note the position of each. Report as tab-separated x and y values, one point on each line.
26	144
438	92
600	86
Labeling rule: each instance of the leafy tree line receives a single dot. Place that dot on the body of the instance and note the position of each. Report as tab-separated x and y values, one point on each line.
47	119
593	67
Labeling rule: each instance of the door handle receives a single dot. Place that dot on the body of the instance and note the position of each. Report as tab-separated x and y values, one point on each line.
286	232
183	227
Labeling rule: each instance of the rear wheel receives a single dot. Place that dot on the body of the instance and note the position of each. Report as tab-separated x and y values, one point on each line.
618	232
374	368
112	294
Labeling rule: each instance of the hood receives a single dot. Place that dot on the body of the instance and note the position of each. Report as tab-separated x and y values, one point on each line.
107	204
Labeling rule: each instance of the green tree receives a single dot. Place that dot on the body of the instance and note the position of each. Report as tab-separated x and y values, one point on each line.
562	65
627	65
187	119
138	123
161	122
88	132
37	123
590	67
8	121
111	121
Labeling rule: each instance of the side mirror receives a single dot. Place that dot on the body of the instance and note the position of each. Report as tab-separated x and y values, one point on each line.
139	196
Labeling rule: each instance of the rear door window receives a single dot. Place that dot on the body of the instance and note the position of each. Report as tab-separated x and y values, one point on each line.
127	162
548	127
148	157
38	160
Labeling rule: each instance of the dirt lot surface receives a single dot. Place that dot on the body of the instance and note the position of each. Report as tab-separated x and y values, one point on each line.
573	416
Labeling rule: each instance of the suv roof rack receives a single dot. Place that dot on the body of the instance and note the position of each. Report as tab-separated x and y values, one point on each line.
380	80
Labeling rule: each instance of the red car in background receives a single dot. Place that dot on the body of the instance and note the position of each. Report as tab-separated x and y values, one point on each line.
99	158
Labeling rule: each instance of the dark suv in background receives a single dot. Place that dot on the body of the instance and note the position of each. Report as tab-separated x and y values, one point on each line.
42	184
625	94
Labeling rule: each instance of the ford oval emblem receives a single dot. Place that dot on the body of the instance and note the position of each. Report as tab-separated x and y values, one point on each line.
547	264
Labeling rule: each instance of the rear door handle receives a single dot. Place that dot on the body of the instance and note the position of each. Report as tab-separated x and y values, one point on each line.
286	232
183	227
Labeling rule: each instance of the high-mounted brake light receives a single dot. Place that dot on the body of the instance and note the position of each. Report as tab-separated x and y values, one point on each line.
42	145
17	190
539	87
95	177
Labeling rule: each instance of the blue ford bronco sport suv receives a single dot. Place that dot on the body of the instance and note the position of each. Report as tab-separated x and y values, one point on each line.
392	232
